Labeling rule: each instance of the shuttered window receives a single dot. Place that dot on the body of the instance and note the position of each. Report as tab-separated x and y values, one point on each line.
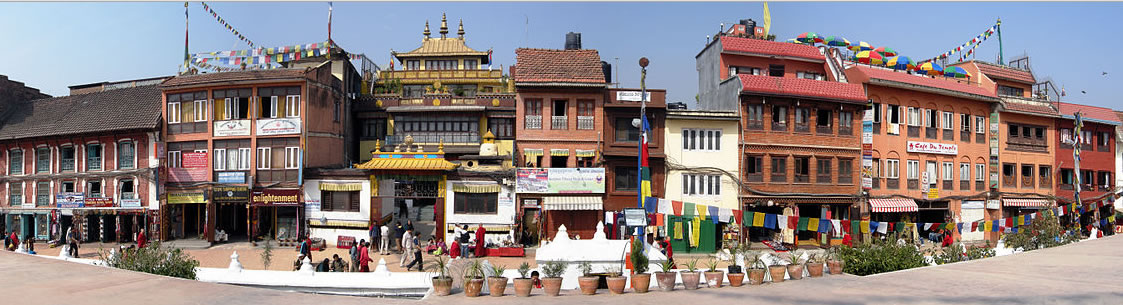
340	201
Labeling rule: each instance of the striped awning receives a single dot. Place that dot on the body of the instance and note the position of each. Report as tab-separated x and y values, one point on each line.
581	153
532	152
341	186
475	188
892	205
572	203
559	152
1029	203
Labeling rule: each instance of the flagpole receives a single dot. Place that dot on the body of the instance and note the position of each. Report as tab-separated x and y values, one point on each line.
643	135
186	27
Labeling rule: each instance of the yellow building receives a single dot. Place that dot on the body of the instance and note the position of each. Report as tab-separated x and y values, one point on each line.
702	169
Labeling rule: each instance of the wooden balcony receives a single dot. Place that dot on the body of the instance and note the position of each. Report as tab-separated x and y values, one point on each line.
427	77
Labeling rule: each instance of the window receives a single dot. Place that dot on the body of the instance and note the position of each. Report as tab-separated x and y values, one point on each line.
754	172
914	116
893	168
15	194
694	184
68	156
93	188
502	128
173	113
220	159
933	176
533	113
471	64
980	172
845	119
948	171
128	189
809	75
877	173
1067	177
475	203
175	159
585	114
823	118
264	158
1007	90
1008	174
754	117
1013	130
893	116
342	201
42	193
1043	176
243	159
126	155
1039	133
913	170
413	64
947	120
200	110
1104	139
585	162
980	124
823	170
845	171
802	169
42	160
292	157
1027	175
93	157
1105	179
625	132
776	70
67	186
964	171
626	178
337	111
1088	178
965	122
930	118
801	117
876	112
1086	137
15	162
779	117
701	139
779	169
1066	136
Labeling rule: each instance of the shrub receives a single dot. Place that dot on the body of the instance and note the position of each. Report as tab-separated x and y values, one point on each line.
878	257
524	269
639	256
554	268
1041	233
950	254
154	259
980	252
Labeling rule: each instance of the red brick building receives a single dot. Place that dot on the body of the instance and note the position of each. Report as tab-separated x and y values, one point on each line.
1097	152
621	146
85	161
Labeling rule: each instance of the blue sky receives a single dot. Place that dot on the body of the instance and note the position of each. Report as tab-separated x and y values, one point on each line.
54	45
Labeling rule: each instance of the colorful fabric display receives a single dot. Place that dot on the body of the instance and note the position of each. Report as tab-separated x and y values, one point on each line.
782	221
770	221
865	226
813	224
758	219
801	224
677	207
688	209
713	212
824	225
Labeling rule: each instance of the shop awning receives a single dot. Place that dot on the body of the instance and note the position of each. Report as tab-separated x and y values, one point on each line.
531	152
892	205
341	186
559	152
572	203
475	188
581	153
1029	203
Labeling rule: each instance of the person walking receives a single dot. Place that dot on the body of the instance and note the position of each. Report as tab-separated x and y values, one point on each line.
141	240
398	231
355	254
364	258
72	240
375	233
415	246
384	241
407	243
463	240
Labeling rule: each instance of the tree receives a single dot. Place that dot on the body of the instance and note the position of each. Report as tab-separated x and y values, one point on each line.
154	259
267	254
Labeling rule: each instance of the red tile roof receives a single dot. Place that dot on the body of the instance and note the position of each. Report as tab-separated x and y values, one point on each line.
765	47
1030	107
1098	114
800	87
923	81
219	77
557	66
1007	73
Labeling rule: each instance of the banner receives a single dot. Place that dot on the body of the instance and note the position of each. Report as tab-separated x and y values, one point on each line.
560	180
230	194
186	197
276	197
932	148
130	203
269	127
970	45
99	202
66	200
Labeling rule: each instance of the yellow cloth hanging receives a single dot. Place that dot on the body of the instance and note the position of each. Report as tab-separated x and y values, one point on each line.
678	229
696	229
813	225
986	226
758	219
865	226
701	211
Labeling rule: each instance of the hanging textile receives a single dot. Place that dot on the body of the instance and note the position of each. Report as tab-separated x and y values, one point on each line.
737	217
688	209
836	225
701	211
782	221
664	206
695	232
677	207
802	225
770	221
714	214
847	226
865	226
678	229
883	227
824	225
813	224
758	219
793	223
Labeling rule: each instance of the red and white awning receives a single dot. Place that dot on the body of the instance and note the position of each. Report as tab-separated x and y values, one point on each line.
892	205
1028	203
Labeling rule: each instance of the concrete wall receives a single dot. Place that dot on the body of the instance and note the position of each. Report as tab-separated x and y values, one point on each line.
312	193
708	65
505	213
726	158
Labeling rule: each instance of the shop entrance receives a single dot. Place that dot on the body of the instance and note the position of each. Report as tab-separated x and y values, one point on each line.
231	221
530	226
187	220
277	222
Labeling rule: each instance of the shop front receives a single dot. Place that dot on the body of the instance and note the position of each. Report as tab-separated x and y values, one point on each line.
482	203
573	197
276	214
185	215
232	208
28	222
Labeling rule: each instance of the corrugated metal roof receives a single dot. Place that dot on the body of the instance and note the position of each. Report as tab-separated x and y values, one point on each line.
407	164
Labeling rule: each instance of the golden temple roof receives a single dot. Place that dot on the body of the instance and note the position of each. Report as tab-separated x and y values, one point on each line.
443	46
408	164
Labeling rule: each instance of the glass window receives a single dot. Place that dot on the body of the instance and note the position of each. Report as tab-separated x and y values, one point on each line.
626	178
126	155
340	201
964	171
846	119
42	193
15	162
67	154
965	122
948	173
475	203
893	116
128	189
753	165
42	160
93	157
754	114
913	169
174	112
779	114
980	172
15	194
471	64
980	124
823	118
93	188
893	168
625	132
502	128
264	158
292	157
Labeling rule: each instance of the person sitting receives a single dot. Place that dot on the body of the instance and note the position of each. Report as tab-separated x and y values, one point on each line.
454	249
324	266
337	264
299	261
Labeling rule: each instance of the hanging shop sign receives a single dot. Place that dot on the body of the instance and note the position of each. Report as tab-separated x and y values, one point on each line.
130	203
633	96
193	168
232	128
68	200
186	197
230	194
994	204
99	202
276	197
635	217
269	127
933	148
232	177
560	180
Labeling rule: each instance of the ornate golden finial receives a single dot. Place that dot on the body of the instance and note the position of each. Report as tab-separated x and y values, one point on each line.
377	145
489	137
460	31
441	147
444	25
426	32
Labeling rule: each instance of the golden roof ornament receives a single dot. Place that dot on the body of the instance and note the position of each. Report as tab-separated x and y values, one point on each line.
426	32
489	137
444	25
460	31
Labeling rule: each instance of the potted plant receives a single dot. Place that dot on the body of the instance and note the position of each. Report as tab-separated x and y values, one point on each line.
815	264
777	270
524	283
713	275
588	282
834	262
736	277
442	283
497	283
473	279
641	280
795	260
552	282
616	280
666	277
756	267
691	275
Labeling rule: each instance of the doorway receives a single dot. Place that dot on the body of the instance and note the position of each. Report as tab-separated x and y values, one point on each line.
530	228
231	219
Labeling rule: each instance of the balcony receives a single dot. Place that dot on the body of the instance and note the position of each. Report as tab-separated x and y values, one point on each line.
481	99
1045	182
559	122
930	133
93	164
1008	181
585	122
67	165
754	125
914	131
892	183
802	128
413	77
964	185
1104	188
435	137
533	122
949	135
1027	182
757	177
823	129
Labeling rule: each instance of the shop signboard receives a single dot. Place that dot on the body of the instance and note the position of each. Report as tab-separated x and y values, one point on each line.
932	148
28	205
276	197
194	160
232	177
232	128
193	168
311	205
99	202
993	204
635	217
230	194
186	197
130	203
68	200
633	96
560	180
269	127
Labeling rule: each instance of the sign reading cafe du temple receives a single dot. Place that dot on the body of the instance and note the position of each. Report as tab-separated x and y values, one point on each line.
933	148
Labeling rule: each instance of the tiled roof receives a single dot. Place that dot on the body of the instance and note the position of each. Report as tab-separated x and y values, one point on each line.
1092	113
1029	107
442	47
558	66
1007	73
800	87
110	110
940	85
765	47
407	164
219	77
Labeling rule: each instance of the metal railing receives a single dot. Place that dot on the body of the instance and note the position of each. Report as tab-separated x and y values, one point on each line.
461	137
584	122
559	122
67	165
533	121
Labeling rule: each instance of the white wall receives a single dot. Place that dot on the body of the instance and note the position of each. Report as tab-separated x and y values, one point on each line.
312	193
505	213
726	158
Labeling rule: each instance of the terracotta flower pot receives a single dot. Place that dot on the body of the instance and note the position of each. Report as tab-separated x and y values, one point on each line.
442	286
472	287
666	280
641	282
496	285
756	276
552	285
835	267
815	269
777	273
588	284
714	278
523	287
795	271
690	279
736	279
616	284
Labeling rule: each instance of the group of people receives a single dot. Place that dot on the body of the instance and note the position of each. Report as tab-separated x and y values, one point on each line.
400	238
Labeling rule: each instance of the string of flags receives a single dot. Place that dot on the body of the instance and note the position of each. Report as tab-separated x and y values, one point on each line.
259	57
970	45
227	25
300	48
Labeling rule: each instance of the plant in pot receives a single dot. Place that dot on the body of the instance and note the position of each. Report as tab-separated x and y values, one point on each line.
755	266
834	263
552	282
713	275
641	280
616	280
524	283
815	264
588	282
795	260
776	269
691	275
442	283
736	277
473	279
665	276
497	284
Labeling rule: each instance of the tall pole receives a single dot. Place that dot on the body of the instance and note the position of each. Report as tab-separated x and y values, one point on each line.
186	56
643	134
999	25
1077	137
